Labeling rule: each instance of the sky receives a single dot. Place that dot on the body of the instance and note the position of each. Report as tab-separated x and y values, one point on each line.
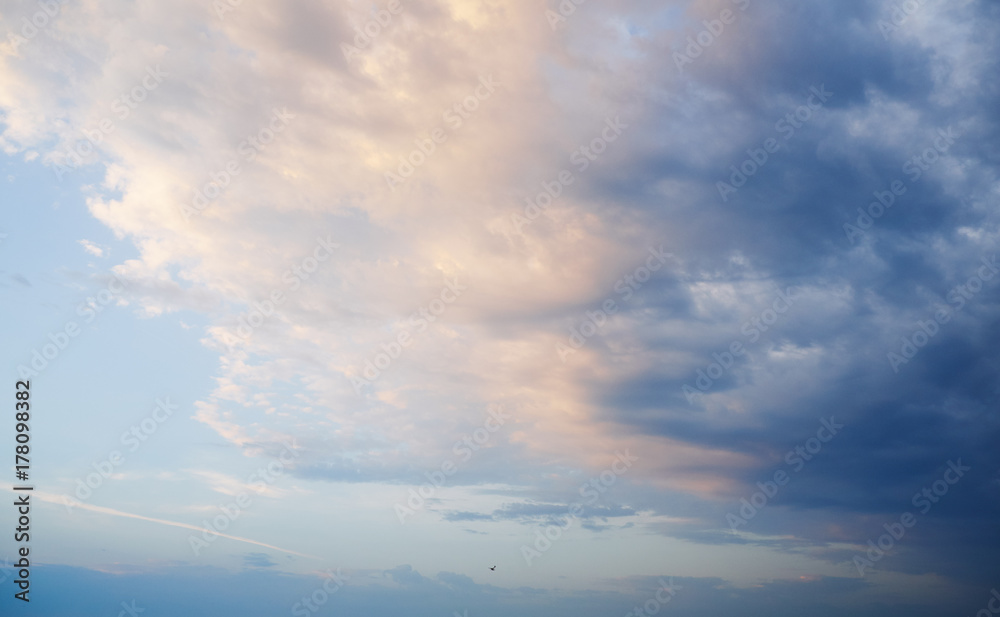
679	307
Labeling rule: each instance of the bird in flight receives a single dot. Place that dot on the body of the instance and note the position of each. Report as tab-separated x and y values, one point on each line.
493	568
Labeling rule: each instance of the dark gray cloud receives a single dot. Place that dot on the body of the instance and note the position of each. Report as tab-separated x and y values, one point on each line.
543	513
258	560
926	116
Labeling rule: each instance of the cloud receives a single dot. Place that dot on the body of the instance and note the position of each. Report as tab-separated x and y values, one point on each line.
405	575
265	200
62	500
258	560
534	514
20	279
93	249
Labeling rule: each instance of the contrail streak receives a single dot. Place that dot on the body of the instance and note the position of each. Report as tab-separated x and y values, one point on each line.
61	500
